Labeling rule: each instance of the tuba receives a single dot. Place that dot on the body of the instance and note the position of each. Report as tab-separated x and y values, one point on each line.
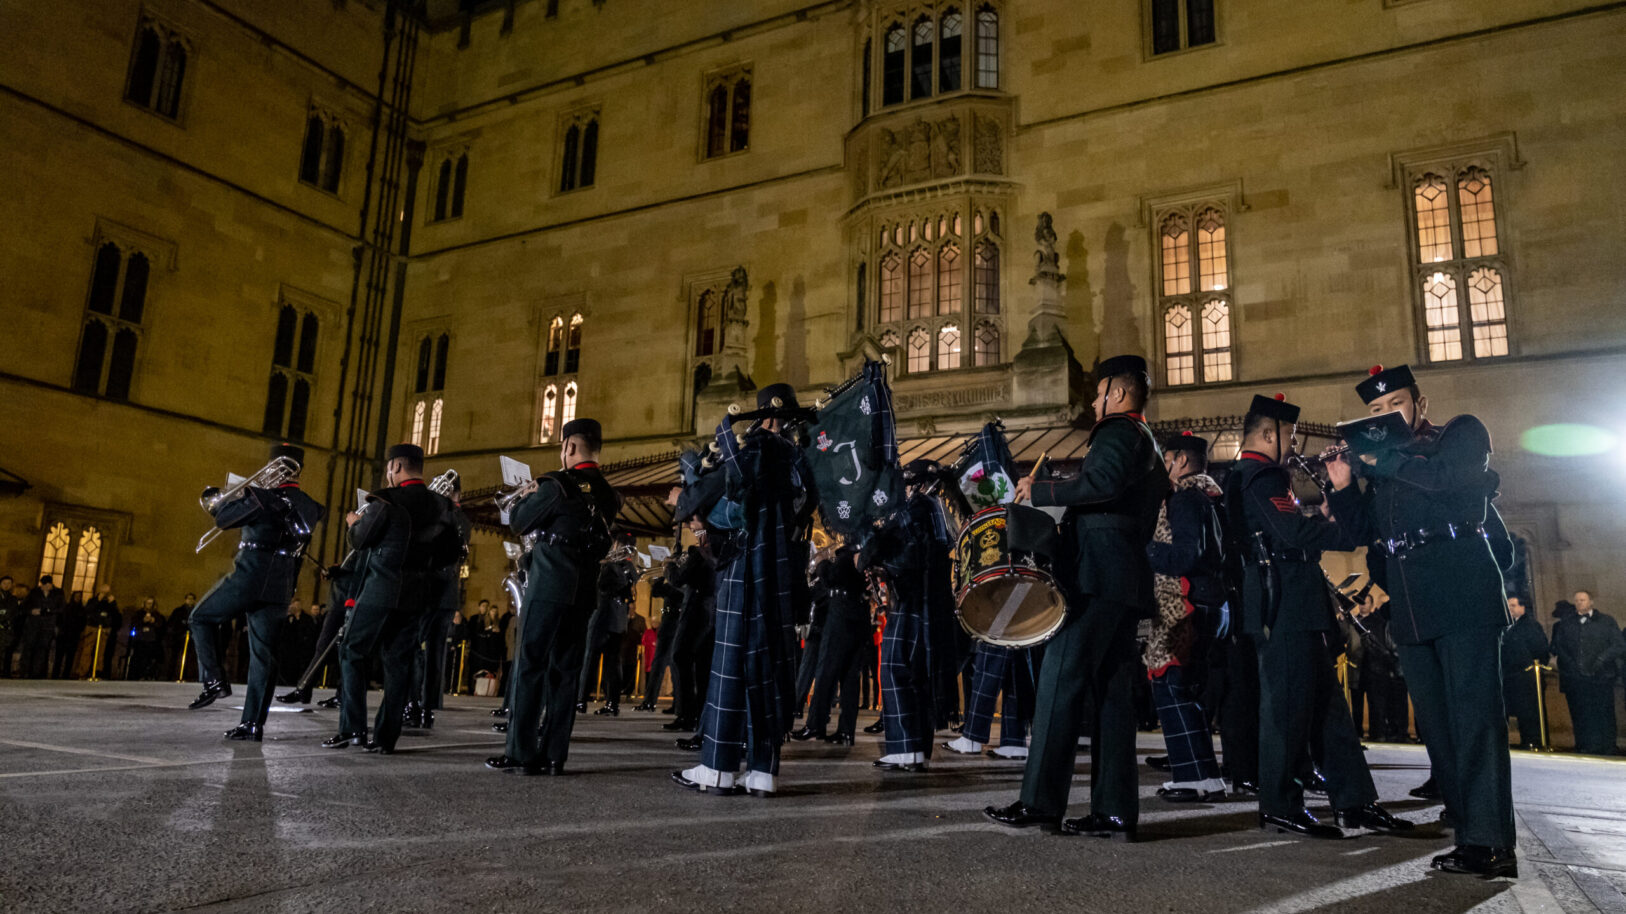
273	474
514	583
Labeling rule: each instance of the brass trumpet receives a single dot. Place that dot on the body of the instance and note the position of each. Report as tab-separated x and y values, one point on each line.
444	484
273	474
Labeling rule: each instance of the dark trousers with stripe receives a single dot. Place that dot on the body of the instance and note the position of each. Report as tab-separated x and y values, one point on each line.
1185	728
1087	670
1302	704
906	680
997	671
547	672
264	620
1239	708
429	663
1455	690
812	651
391	634
665	637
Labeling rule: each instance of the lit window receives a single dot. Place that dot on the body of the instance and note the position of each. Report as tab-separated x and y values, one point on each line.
550	404
987	345
920	284
987	278
1488	315
1176	255
85	560
948	279
1179	362
1216	340
54	562
1211	251
1459	250
1194	273
920	350
568	413
948	347
573	345
1433	219
417	423
1478	213
433	444
1440	315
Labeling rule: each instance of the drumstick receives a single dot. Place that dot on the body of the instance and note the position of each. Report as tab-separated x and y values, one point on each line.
1033	473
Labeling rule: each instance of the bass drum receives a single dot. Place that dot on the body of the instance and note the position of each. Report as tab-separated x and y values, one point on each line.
1004	591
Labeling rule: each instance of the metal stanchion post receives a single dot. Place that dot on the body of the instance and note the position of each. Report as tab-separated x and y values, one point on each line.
1541	706
462	662
638	674
186	642
96	658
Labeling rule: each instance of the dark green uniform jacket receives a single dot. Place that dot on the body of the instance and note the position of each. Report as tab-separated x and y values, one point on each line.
1112	507
269	553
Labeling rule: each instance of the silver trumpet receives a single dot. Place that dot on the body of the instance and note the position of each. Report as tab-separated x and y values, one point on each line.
444	484
505	501
273	474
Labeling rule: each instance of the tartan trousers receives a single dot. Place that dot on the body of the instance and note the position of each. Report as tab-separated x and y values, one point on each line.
735	722
995	671
906	682
1185	729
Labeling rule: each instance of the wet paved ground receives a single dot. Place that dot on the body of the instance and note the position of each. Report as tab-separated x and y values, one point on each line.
114	797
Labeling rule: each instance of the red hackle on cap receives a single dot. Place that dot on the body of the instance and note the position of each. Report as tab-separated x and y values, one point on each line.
1281	398
1186	433
1374	370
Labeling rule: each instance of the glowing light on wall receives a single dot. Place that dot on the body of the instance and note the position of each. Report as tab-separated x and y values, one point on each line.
1568	439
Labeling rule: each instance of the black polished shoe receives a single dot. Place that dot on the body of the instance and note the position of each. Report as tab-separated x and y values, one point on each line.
499	712
246	731
644	706
1245	788
1484	862
1017	815
1371	816
553	769
581	707
500	726
329	703
1427	790
503	763
839	739
911	767
1190	795
1317	782
1099	826
611	709
1158	763
876	727
379	749
426	721
344	740
211	691
1300	823
412	715
807	733
296	697
690	744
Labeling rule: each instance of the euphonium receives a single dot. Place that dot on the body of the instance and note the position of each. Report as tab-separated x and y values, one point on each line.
444	484
273	474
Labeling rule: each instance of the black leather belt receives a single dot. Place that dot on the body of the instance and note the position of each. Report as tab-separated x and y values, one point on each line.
274	550
1413	539
1291	555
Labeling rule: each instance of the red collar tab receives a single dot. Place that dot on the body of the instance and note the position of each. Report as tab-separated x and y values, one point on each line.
411	482
289	485
586	465
1255	455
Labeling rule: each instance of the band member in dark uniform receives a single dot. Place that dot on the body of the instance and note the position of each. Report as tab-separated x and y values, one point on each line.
695	638
1523	645
1438	550
276	526
668	589
1287	610
846	638
761	549
569	511
429	661
1112	506
605	631
409	538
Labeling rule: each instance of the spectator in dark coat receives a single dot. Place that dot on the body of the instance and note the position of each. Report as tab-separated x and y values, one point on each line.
70	625
1523	644
147	630
40	611
1589	650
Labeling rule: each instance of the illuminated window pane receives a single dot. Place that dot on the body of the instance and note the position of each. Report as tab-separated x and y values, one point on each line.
987	344
1441	315
976	223
1179	361
948	347
920	285
987	48
1478	213
920	350
550	403
1433	218
1216	340
573	345
948	279
417	424
1214	271
891	288
54	561
957	223
1486	308
433	446
568	415
889	339
85	560
1176	242
926	229
986	270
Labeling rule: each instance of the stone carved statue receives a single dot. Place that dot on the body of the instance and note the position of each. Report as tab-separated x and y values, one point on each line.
890	173
734	296
1049	262
917	163
946	148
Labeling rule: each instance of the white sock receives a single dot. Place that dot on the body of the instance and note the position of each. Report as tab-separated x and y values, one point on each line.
965	746
904	758
709	777
1012	752
761	780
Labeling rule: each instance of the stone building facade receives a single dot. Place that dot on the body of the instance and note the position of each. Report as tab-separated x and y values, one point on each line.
500	214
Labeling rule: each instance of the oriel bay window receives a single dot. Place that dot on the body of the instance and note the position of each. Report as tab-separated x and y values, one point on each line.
941	306
557	393
924	48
